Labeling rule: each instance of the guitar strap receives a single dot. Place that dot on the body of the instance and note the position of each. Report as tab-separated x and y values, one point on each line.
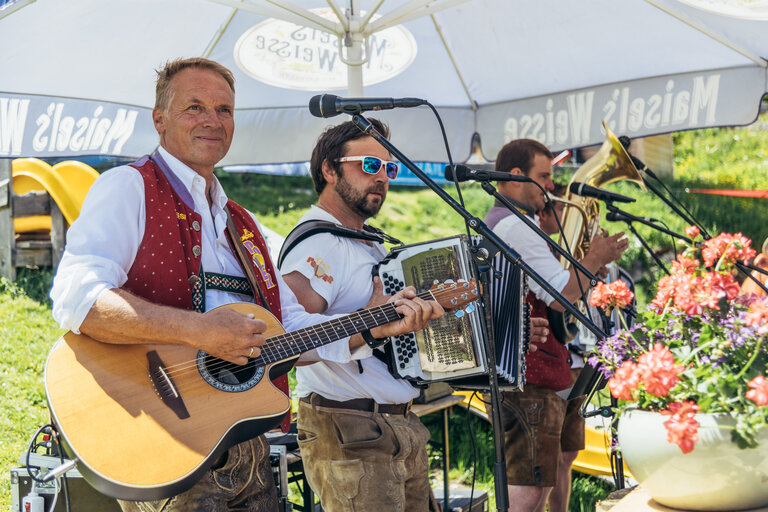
313	227
244	259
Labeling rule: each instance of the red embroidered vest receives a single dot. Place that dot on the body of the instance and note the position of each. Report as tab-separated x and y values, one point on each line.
548	366
167	264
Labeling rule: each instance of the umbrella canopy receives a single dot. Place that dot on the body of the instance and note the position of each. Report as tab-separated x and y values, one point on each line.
78	76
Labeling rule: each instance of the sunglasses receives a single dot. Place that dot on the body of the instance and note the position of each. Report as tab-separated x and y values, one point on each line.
373	165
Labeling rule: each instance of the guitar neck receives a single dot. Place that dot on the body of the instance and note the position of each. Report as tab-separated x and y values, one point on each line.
290	344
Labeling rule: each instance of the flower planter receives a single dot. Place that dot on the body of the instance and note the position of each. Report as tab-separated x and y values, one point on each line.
716	475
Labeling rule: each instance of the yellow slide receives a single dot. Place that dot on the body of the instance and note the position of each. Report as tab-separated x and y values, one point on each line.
592	460
67	183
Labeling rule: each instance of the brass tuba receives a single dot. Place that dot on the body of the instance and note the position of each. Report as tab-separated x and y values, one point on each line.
581	216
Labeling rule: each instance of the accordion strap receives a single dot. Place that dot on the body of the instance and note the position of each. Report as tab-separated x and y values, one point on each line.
313	227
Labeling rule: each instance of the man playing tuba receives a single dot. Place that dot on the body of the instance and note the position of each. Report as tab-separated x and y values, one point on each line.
539	456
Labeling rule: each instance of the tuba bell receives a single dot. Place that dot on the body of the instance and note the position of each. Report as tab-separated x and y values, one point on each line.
581	216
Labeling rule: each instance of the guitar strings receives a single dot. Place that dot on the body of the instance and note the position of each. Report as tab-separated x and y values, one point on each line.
275	343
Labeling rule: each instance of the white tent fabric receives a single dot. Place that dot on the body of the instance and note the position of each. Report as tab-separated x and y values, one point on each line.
76	77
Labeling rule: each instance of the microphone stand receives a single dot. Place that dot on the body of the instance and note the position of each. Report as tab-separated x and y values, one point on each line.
616	214
499	467
688	218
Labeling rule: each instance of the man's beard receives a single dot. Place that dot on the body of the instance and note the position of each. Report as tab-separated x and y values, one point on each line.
357	200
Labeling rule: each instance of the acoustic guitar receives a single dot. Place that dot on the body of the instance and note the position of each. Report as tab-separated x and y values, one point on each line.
145	422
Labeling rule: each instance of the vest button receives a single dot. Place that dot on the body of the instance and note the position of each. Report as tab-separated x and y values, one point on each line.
196	225
196	250
193	279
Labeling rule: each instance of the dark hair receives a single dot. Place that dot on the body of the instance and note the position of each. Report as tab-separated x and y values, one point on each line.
332	145
520	153
164	76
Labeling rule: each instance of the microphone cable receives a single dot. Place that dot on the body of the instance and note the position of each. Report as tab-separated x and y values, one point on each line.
34	471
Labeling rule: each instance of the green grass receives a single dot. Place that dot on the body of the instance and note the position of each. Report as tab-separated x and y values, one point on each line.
27	331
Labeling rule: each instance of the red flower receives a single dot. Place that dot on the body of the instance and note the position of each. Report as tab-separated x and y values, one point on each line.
615	294
729	247
682	427
624	381
759	391
658	371
757	314
684	265
692	232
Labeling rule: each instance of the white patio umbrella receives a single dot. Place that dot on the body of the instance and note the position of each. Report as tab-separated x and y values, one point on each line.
77	78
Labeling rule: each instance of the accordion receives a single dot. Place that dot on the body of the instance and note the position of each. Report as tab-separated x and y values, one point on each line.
453	348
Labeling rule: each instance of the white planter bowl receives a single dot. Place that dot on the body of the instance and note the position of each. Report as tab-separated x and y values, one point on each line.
716	475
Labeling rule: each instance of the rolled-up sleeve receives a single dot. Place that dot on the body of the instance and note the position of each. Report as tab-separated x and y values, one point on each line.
101	245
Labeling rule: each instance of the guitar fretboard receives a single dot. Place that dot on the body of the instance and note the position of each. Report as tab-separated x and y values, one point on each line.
290	344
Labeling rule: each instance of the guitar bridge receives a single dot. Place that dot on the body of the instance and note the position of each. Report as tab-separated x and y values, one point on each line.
164	385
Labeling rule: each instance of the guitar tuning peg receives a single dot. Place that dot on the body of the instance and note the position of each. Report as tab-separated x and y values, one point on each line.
459	313
435	281
470	308
449	281
454	301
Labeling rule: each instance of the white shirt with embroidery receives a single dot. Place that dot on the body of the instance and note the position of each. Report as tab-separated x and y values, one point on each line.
339	270
102	244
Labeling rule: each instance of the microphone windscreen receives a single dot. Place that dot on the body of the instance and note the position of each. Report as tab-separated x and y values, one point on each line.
314	106
328	105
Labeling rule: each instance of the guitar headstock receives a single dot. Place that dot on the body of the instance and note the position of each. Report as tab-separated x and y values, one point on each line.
454	295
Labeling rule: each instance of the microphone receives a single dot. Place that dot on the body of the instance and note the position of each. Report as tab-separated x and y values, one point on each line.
463	173
582	189
328	105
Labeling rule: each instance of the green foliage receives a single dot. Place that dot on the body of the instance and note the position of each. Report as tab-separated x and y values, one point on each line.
586	492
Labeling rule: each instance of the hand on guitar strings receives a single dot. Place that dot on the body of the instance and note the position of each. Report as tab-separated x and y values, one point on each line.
416	312
539	328
232	336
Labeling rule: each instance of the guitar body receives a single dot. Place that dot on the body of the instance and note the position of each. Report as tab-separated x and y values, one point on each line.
131	443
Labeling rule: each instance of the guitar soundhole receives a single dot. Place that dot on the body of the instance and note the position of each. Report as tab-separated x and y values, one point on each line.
227	376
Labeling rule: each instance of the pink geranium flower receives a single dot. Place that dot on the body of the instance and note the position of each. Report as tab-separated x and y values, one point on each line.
658	371
624	381
682	427
759	391
611	295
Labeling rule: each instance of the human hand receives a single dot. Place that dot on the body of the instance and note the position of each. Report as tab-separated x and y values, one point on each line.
416	313
605	249
538	328
231	335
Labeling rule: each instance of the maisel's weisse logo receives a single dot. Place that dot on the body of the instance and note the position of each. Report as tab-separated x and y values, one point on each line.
568	120
38	127
285	55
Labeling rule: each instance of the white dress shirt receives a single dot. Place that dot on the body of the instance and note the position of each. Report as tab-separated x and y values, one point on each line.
102	244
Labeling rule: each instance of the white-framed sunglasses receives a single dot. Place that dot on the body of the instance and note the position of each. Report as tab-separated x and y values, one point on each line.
373	165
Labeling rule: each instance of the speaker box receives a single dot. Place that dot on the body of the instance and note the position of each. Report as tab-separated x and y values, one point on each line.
82	497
